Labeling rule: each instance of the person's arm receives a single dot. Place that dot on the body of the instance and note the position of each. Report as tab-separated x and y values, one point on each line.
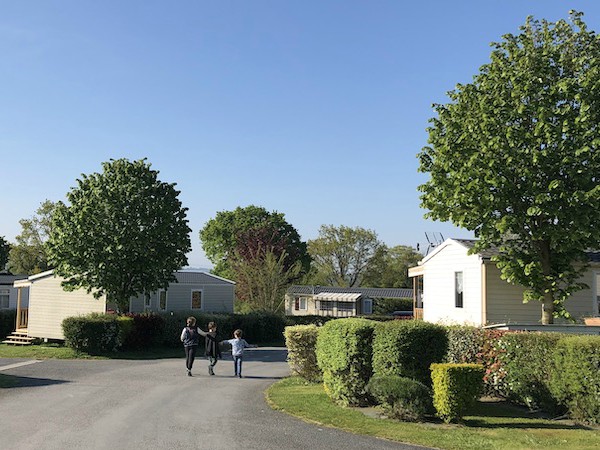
202	333
183	334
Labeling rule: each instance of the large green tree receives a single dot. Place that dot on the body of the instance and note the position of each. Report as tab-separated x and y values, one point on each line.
341	255
29	254
244	228
389	267
123	233
4	250
262	277
515	157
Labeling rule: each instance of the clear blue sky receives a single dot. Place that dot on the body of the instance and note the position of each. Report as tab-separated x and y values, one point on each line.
315	109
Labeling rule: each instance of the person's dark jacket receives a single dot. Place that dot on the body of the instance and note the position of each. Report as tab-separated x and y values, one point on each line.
212	345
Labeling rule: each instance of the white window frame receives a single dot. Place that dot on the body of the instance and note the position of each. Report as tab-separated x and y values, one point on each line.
5	293
160	292
368	306
147	302
201	299
301	301
462	290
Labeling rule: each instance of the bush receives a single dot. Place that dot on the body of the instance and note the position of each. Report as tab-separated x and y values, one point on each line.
456	387
384	306
93	334
526	360
402	398
344	356
301	342
148	329
465	344
575	377
407	348
308	320
8	320
126	327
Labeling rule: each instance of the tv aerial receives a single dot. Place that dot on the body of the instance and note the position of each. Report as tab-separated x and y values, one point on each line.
434	239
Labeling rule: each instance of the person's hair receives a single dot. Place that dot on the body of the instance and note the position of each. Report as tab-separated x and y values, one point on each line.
237	333
212	326
191	321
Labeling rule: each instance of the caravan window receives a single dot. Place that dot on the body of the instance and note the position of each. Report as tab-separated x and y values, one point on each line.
4	298
458	289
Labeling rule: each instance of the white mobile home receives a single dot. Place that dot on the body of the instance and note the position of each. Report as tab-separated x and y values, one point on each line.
49	304
452	286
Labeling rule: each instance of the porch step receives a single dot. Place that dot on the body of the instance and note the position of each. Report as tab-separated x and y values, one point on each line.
18	338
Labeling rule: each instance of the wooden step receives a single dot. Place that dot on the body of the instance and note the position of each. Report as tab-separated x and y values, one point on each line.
18	338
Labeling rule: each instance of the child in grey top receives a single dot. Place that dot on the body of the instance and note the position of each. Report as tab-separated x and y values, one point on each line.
237	351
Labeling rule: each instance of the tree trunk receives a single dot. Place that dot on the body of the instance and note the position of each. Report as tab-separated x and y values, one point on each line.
548	309
548	302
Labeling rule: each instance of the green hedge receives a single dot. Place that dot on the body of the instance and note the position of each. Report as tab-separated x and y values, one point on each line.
93	334
259	328
384	306
456	387
407	348
344	356
401	398
465	344
8	320
526	360
301	341
575	379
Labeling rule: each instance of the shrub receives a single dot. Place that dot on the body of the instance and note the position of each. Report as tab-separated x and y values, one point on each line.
401	398
465	344
344	356
407	348
93	334
389	305
456	387
8	320
575	378
526	360
126	327
301	342
148	329
490	358
308	320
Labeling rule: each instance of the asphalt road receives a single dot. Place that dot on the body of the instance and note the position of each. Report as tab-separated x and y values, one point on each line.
153	404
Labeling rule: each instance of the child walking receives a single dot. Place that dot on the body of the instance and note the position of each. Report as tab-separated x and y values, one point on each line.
190	338
211	349
237	351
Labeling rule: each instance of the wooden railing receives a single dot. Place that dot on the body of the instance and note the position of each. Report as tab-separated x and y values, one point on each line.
418	313
23	318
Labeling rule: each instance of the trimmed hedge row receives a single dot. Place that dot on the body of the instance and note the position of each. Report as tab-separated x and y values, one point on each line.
344	355
407	348
555	372
301	341
456	387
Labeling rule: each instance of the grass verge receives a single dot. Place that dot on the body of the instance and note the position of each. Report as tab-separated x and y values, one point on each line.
53	351
492	425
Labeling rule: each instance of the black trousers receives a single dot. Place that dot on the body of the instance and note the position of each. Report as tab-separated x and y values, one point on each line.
190	355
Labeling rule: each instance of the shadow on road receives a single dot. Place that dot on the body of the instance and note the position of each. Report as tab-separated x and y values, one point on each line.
11	381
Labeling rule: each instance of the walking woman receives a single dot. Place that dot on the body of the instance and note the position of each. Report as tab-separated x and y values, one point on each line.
190	338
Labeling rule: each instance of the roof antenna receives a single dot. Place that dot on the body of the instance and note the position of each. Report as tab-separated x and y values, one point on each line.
434	239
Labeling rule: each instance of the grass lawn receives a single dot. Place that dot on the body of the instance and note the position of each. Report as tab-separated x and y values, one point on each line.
492	425
60	352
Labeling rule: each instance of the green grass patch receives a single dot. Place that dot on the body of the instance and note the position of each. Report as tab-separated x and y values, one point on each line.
490	425
56	351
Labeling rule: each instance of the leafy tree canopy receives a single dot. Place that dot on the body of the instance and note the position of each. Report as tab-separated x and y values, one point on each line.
4	250
29	255
242	230
124	233
389	267
342	255
515	157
